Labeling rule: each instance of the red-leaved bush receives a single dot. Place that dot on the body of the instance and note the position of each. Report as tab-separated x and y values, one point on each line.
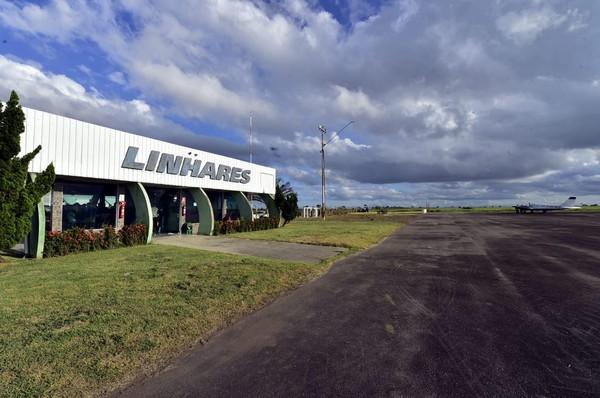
76	240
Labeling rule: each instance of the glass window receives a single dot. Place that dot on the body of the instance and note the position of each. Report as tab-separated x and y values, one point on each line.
47	200
233	209
259	207
88	205
130	213
191	208
215	198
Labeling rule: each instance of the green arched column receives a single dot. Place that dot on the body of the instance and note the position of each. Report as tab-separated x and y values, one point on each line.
34	242
244	205
143	208
37	236
269	201
205	211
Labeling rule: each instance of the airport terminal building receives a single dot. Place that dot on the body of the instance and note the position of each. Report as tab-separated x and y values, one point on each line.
110	177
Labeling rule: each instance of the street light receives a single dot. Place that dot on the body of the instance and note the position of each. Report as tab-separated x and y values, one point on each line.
323	131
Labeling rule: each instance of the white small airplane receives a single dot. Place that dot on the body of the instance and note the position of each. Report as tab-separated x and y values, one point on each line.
532	207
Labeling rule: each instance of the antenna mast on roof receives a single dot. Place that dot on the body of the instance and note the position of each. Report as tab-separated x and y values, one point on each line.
250	195
251	139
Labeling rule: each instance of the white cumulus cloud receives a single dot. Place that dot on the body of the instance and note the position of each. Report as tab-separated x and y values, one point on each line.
525	26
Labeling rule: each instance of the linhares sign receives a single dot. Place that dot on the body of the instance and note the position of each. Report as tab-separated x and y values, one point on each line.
80	149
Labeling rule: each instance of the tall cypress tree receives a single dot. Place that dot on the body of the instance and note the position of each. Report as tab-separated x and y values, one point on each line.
19	194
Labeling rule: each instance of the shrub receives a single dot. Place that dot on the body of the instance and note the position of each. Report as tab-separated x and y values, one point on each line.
217	228
134	234
111	239
76	240
54	244
231	226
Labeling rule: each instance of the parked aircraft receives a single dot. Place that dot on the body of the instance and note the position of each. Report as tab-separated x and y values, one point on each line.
532	207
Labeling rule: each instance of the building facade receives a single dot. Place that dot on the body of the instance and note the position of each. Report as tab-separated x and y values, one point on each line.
111	177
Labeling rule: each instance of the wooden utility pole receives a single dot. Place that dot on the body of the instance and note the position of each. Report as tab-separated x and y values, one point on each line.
323	130
335	135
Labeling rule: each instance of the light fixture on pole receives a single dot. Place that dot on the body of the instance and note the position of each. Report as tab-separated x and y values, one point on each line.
250	195
323	131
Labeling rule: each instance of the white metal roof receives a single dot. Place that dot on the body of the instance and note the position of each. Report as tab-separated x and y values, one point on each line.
81	149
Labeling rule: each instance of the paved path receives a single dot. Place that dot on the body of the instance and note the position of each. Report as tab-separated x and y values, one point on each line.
452	305
311	254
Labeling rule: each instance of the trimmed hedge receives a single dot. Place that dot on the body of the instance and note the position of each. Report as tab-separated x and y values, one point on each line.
232	226
134	234
77	240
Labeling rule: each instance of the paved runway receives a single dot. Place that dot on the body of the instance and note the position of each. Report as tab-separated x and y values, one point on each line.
451	305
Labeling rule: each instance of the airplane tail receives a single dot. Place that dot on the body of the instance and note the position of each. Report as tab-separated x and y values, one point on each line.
569	202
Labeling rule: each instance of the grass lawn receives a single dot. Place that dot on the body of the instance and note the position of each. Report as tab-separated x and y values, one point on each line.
354	231
76	325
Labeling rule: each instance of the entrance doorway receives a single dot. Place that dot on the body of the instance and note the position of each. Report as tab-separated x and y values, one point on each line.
165	203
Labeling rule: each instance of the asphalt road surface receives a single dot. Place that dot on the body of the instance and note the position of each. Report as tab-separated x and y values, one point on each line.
451	305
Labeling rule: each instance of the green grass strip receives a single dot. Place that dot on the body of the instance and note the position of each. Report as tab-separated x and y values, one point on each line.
75	325
352	231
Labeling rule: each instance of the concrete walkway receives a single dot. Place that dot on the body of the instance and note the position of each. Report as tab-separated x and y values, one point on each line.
259	248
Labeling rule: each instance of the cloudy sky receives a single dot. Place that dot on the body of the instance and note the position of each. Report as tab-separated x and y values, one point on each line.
456	102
